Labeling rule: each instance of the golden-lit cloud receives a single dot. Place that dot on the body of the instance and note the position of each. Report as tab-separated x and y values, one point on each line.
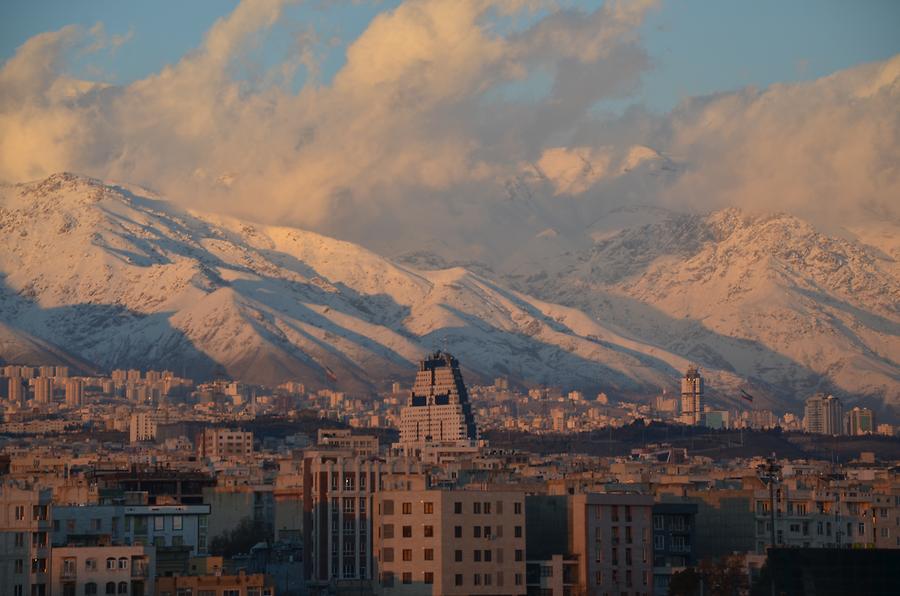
417	123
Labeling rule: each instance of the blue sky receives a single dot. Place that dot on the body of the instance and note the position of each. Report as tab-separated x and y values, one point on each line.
696	47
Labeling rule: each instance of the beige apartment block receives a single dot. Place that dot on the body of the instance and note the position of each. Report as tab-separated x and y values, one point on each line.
25	526
449	542
612	534
95	570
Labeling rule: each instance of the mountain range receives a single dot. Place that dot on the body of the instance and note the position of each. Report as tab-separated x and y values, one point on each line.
106	275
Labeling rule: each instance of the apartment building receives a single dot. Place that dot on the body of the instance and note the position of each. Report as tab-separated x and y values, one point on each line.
673	542
25	523
439	542
609	534
95	570
219	443
214	585
337	486
157	525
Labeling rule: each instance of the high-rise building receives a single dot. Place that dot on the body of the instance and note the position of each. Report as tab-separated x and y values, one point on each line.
143	427
823	415
61	372
692	396
74	393
17	390
860	421
43	390
438	410
47	371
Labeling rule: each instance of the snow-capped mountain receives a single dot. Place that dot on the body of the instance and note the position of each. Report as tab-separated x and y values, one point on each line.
125	279
122	278
768	297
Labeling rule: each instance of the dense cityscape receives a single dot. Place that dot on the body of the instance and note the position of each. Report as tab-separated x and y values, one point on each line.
146	483
449	298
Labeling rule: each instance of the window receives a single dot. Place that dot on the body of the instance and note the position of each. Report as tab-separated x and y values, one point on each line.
476	507
39	512
499	507
546	571
407	554
90	589
477	579
457	508
428	507
458	556
20	512
487	508
90	564
407	531
429	531
429	554
458	580
457	531
659	522
159	523
20	539
39	565
123	588
388	530
349	505
487	531
110	563
429	577
407	577
68	566
476	556
598	578
387	555
349	480
388	507
20	566
517	508
518	579
177	522
476	532
407	508
487	556
518	531
487	579
520	555
110	587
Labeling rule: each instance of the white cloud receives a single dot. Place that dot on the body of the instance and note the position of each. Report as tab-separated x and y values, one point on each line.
408	140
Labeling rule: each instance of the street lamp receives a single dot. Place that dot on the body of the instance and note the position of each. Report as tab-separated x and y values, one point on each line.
770	473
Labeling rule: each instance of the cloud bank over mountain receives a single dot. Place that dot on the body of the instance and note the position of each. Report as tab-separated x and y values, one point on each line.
424	123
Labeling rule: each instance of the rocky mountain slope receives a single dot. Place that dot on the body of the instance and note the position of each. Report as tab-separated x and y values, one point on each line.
125	279
780	304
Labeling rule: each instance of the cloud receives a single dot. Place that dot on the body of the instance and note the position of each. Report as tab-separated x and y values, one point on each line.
827	149
415	139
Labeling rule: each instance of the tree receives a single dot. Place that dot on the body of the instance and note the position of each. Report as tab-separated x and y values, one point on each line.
247	534
725	576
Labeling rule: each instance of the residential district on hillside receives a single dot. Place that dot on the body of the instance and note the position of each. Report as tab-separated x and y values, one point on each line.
145	483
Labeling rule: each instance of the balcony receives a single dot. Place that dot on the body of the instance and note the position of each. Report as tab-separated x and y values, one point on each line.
140	571
68	574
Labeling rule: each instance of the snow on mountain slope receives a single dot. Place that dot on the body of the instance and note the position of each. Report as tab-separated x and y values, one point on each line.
124	279
769	298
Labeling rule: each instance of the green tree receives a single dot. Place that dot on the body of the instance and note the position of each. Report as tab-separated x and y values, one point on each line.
240	539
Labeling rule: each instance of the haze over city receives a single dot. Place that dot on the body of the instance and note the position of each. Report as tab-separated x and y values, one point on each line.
617	278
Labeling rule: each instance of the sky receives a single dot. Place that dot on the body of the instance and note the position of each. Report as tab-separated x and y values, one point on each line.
355	118
696	47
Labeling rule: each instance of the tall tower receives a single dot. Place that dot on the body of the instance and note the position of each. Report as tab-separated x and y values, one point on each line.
438	410
43	390
692	396
74	393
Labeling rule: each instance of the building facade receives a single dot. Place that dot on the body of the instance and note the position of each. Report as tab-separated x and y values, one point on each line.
450	542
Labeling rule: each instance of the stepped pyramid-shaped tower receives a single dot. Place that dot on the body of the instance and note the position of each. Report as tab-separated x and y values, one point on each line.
438	410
